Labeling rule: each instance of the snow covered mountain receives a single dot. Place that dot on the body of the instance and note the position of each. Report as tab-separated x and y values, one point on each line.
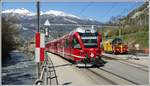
21	11
28	20
26	12
58	13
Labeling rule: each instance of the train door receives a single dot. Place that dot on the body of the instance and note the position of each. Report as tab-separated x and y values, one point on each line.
63	52
71	46
76	47
58	47
66	50
62	48
55	46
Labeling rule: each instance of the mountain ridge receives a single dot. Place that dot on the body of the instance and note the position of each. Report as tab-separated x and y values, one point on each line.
27	21
25	12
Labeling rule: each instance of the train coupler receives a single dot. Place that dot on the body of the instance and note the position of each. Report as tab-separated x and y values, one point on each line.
98	62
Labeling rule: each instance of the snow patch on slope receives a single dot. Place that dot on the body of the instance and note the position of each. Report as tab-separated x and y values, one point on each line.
25	12
58	13
21	11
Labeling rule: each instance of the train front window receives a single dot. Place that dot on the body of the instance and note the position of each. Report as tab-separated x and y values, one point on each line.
88	34
117	41
89	39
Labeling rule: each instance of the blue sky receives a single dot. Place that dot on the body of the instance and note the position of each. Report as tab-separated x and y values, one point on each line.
101	11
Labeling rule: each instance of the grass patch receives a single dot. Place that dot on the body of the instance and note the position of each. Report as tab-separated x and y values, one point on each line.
141	38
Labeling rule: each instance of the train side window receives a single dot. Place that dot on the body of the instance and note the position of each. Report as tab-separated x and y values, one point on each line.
67	43
76	43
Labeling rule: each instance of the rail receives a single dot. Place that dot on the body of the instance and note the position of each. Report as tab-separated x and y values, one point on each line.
126	61
47	74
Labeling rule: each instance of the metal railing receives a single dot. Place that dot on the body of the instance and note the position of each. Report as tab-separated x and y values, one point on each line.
47	74
40	81
52	70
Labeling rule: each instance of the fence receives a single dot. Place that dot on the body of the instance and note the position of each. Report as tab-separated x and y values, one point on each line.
48	74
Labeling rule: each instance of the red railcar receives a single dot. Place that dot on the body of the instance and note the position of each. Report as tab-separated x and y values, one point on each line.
82	45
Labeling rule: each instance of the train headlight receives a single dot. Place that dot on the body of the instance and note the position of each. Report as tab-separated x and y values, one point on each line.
92	55
81	52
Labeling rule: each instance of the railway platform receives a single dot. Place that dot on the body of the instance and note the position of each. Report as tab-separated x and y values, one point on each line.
67	73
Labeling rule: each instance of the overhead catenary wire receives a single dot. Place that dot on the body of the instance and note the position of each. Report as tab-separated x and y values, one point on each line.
85	8
76	24
108	11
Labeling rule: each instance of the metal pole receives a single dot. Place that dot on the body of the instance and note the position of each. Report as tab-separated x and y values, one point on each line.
38	14
38	18
120	29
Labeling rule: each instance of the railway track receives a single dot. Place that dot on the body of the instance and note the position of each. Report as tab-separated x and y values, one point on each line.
114	78
138	66
129	63
111	77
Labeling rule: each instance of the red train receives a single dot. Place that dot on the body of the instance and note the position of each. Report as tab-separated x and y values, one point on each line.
81	46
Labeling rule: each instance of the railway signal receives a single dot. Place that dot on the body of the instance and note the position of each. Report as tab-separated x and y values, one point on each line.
47	24
46	30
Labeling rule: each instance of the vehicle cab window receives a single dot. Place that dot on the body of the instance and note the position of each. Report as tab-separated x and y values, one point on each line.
76	43
89	39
